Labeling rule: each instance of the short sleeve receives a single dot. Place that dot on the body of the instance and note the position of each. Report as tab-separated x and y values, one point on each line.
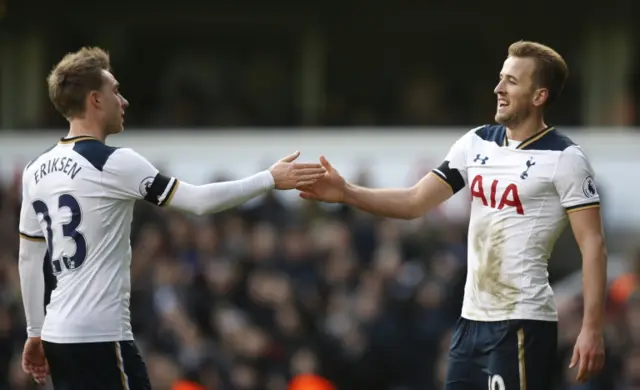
574	180
29	226
453	170
128	175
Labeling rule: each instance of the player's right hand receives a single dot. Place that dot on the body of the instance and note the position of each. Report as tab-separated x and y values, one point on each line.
34	361
330	188
288	175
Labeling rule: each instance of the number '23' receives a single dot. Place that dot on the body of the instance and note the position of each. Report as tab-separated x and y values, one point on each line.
68	231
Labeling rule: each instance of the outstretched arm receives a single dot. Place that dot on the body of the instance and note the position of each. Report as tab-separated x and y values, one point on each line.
215	197
129	175
401	203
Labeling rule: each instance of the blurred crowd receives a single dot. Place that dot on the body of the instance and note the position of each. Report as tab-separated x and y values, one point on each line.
266	297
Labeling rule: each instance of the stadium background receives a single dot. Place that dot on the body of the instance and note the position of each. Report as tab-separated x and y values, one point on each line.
250	298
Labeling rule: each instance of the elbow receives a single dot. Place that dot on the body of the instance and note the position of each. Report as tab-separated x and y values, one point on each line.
410	215
199	210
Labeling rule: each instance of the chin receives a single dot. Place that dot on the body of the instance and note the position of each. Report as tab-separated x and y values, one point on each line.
116	129
505	119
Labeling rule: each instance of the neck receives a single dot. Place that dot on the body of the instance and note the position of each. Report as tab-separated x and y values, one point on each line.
83	127
526	129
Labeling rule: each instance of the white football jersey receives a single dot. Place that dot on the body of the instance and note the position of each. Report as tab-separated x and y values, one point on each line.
520	196
79	197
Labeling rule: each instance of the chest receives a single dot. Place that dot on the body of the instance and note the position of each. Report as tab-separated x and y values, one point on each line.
500	177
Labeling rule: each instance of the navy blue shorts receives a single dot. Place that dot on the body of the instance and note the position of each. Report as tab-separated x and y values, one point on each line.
96	366
502	355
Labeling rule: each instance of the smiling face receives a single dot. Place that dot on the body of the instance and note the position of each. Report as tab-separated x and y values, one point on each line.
518	95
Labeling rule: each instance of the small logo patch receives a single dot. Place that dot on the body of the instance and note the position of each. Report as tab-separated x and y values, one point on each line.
483	160
589	187
525	173
145	185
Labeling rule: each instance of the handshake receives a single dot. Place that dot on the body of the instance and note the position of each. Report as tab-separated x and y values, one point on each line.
315	181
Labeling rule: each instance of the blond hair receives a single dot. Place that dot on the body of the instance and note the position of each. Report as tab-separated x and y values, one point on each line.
74	77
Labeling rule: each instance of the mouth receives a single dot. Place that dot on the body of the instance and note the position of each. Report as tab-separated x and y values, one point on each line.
503	103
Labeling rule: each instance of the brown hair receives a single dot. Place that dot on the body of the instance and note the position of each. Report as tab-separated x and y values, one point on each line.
74	77
551	69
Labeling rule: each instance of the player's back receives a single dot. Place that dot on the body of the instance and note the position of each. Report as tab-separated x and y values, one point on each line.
87	231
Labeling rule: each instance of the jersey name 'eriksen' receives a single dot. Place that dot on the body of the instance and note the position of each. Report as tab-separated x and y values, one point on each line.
65	165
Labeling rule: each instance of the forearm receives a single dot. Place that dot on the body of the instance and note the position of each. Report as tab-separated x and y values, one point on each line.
397	203
31	255
594	282
401	203
215	197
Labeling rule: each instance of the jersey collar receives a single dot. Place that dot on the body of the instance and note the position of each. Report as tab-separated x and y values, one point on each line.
531	140
73	140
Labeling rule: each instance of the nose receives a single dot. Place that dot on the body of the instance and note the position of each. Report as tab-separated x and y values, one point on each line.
499	89
124	102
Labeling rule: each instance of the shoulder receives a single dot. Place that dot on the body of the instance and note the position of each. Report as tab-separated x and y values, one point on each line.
574	164
127	164
95	152
552	141
34	161
573	155
484	132
125	158
490	133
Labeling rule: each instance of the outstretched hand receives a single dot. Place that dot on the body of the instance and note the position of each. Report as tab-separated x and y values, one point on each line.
288	175
330	188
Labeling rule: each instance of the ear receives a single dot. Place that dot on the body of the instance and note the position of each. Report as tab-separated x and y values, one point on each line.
94	99
540	97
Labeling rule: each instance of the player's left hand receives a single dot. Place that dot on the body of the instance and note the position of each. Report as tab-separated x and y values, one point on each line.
34	361
588	353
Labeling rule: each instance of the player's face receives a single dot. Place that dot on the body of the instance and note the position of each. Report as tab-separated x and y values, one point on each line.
517	95
114	105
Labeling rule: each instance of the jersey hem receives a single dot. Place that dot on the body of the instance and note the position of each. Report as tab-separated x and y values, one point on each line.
87	339
511	317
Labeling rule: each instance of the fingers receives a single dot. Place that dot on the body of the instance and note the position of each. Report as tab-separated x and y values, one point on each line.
308	165
41	380
291	157
325	162
305	183
593	364
575	357
589	364
39	373
308	196
312	176
310	171
582	371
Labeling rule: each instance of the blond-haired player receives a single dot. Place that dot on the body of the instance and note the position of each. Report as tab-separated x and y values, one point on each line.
77	207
